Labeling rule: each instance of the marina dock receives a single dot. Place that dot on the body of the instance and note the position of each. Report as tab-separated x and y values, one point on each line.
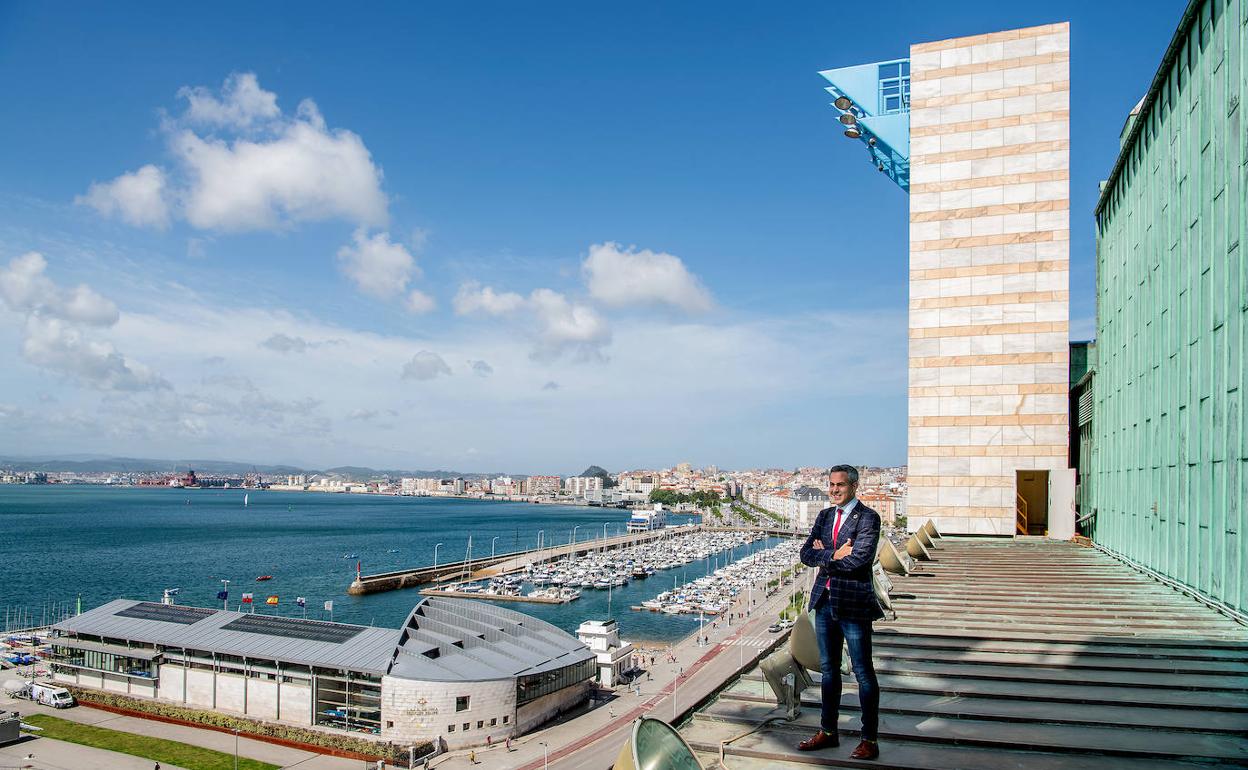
492	597
498	565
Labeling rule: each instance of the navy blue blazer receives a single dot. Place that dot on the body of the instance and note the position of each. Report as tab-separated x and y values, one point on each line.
851	595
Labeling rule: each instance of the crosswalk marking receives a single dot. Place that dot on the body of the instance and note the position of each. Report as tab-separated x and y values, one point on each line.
755	641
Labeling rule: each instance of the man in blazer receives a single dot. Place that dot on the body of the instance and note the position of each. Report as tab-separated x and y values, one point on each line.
842	545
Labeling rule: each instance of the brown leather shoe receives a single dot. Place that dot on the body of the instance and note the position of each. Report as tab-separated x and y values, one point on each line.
866	750
819	740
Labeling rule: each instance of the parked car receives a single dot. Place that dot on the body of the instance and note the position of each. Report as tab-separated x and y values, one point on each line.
774	628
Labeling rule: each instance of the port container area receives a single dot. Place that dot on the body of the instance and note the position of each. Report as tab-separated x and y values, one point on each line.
457	670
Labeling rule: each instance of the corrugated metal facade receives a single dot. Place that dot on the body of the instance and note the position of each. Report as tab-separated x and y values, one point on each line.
1168	476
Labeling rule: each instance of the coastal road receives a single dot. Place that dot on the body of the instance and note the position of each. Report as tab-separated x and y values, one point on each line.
593	739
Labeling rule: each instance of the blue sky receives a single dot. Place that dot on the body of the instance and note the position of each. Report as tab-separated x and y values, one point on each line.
684	260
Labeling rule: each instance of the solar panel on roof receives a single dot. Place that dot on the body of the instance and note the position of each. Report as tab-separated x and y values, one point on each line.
290	628
166	613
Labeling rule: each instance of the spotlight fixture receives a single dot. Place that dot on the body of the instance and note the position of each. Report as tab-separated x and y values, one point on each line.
871	141
843	103
852	132
879	167
848	118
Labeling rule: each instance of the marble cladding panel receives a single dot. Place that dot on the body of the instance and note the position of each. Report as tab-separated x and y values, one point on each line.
990	187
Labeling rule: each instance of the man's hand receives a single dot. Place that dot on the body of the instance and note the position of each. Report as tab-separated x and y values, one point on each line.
817	545
843	551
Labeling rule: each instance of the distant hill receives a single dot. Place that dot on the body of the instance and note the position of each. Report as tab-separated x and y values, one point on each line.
139	465
104	464
595	470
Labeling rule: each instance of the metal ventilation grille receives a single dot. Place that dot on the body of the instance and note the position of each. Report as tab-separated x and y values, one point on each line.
290	628
166	613
1086	406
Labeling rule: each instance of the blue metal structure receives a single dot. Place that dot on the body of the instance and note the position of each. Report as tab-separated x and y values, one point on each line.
874	102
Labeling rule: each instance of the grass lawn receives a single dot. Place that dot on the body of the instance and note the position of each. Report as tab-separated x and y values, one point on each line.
156	749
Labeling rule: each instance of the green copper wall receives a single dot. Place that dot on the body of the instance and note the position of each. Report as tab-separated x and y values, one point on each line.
1169	448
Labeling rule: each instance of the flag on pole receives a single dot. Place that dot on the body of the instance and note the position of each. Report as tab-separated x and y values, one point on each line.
301	601
222	595
271	600
329	606
246	598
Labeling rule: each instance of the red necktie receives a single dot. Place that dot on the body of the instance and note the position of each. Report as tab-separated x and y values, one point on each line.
836	528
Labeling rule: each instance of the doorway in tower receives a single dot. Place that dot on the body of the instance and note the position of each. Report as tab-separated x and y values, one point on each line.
1031	502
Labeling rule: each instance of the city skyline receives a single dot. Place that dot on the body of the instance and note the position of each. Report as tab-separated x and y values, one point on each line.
255	251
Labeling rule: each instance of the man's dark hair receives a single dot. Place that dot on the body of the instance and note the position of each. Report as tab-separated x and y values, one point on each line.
848	470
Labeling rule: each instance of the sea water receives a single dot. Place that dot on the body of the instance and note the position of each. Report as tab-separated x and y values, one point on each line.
61	542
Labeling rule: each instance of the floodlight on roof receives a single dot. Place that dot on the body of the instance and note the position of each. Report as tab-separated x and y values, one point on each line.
848	118
843	102
852	132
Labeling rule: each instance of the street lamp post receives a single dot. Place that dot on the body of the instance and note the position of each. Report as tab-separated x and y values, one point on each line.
236	749
492	546
225	589
675	684
435	554
545	755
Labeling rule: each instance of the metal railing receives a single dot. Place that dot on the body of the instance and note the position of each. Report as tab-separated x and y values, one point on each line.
1020	514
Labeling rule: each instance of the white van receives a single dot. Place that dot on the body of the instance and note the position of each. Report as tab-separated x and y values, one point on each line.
51	695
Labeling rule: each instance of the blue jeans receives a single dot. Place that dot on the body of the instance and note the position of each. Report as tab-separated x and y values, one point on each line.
856	634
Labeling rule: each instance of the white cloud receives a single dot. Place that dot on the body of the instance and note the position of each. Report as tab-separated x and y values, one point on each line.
298	170
481	368
558	325
139	198
420	303
243	104
53	332
59	346
376	266
297	409
306	173
284	343
619	277
425	365
25	288
472	297
565	326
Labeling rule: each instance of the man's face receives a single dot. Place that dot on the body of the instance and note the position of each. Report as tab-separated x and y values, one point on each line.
840	489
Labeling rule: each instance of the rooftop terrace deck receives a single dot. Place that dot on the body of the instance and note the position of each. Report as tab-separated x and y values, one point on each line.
1021	654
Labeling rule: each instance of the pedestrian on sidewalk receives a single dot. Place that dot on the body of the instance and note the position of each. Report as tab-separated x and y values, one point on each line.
472	756
509	743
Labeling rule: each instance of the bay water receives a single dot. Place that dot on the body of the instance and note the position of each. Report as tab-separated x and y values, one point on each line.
61	542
